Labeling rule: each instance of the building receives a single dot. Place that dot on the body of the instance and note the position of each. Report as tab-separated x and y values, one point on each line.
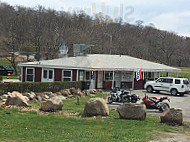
103	71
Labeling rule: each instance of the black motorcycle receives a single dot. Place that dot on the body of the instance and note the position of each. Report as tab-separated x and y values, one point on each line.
124	96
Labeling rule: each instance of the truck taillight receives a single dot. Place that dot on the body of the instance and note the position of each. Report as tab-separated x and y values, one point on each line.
182	86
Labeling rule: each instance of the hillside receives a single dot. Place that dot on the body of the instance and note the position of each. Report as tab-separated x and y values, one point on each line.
44	30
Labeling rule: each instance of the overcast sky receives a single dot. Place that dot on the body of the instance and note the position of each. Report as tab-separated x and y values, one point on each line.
170	15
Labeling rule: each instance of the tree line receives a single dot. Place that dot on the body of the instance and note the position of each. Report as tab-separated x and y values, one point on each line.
40	30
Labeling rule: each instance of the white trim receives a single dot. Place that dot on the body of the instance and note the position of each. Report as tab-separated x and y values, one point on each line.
77	76
71	78
33	74
21	77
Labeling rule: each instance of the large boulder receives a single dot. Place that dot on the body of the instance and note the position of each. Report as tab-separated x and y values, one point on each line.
96	106
16	98
132	111
172	116
53	104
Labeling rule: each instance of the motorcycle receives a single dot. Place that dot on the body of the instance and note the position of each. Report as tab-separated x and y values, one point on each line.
156	103
124	96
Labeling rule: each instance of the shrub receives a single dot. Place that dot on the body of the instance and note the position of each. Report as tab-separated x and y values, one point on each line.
1	78
38	86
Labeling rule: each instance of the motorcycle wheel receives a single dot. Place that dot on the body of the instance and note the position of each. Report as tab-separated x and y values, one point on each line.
164	107
110	100
125	100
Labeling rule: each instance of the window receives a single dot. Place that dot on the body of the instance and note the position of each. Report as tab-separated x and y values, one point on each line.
45	74
177	81
87	74
185	82
81	75
108	75
67	75
29	75
50	74
127	76
165	80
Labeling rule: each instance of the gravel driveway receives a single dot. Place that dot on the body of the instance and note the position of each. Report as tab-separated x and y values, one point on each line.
182	102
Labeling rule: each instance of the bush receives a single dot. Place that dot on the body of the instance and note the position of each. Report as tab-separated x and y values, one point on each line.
1	78
38	86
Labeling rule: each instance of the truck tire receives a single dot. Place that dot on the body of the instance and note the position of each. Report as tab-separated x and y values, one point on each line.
149	89
174	92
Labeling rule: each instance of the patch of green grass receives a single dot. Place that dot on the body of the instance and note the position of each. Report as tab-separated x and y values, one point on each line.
185	73
16	125
11	77
4	62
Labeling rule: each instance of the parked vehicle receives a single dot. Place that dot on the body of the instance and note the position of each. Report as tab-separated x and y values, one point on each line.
175	86
155	103
117	95
5	70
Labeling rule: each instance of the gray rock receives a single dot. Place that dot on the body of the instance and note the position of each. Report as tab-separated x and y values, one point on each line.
39	98
61	97
4	97
132	111
31	95
16	98
172	116
53	104
96	106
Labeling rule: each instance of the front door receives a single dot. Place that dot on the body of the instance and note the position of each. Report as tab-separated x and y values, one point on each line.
47	75
100	79
117	79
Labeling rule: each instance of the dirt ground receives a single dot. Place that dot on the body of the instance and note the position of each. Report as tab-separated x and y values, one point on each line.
173	137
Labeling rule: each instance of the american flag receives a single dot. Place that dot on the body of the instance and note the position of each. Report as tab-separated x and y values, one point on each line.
139	74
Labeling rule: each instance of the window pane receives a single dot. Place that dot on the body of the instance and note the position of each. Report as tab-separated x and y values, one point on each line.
87	75
45	74
81	75
177	81
185	82
50	74
66	79
30	78
29	71
108	76
67	73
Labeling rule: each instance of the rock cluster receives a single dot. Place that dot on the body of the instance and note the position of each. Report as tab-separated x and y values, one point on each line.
50	101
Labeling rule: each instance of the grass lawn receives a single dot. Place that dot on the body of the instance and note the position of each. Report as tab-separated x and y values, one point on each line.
185	72
26	126
4	62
